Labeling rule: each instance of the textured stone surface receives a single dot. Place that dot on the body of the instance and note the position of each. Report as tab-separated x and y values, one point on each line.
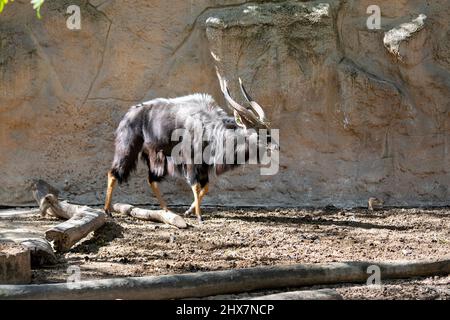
355	120
393	38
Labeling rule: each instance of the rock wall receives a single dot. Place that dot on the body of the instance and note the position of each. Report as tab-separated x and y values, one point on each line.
361	112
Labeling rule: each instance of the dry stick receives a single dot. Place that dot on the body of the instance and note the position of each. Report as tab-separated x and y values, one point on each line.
323	294
163	216
202	284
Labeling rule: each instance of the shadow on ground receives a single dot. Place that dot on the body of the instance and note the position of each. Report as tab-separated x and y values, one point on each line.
101	237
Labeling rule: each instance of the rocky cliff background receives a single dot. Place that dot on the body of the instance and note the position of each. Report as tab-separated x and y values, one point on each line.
359	116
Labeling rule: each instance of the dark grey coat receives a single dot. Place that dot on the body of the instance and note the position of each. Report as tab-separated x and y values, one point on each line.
147	128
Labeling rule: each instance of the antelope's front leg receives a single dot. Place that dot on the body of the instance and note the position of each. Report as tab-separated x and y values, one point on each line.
111	183
202	193
157	193
196	189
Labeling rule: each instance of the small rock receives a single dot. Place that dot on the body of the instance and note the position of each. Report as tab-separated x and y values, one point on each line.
124	260
407	252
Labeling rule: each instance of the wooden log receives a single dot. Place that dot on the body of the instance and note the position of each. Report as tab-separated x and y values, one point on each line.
63	209
30	236
15	263
83	221
203	284
123	208
163	216
41	252
323	294
46	197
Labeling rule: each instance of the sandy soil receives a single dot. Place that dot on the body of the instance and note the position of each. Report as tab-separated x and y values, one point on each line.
245	238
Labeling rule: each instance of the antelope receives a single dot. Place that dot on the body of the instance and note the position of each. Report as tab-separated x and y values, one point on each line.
148	129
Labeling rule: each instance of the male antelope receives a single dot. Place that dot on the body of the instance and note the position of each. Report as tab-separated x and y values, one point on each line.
148	129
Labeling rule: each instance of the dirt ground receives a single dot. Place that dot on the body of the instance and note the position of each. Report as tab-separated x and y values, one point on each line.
246	237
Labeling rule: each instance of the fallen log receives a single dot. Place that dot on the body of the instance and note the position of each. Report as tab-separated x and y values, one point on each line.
83	220
29	236
46	197
323	294
163	216
202	284
41	251
61	209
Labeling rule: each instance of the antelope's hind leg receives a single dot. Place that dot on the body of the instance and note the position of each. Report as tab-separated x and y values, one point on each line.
155	162
196	188
199	192
202	193
111	184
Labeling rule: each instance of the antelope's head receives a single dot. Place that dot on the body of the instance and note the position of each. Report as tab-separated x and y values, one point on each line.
251	117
